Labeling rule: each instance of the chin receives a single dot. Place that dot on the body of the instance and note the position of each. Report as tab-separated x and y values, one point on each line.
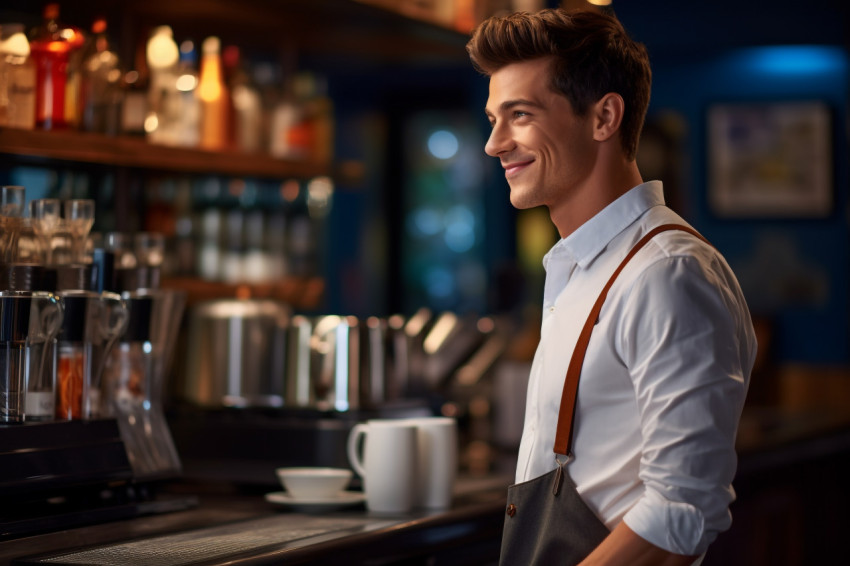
522	205
521	200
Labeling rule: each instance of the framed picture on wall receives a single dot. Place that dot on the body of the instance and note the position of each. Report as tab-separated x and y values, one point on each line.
770	159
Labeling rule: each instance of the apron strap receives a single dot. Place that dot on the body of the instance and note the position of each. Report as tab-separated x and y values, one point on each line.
566	416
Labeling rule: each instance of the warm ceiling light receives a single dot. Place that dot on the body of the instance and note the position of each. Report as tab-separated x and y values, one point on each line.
600	2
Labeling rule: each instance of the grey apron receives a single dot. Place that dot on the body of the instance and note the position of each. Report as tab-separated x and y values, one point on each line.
546	520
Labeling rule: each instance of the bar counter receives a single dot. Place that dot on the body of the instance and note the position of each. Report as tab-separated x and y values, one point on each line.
791	509
226	526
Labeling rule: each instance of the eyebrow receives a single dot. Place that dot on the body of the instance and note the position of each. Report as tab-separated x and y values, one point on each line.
508	104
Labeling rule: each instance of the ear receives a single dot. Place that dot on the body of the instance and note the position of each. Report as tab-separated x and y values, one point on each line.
608	115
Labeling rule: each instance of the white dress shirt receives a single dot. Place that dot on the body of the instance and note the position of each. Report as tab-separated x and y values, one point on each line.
663	381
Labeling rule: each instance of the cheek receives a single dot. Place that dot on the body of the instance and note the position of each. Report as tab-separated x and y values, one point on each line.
549	145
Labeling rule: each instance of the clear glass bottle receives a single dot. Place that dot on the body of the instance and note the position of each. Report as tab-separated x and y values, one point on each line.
101	83
17	78
189	126
134	109
209	231
247	104
256	262
162	56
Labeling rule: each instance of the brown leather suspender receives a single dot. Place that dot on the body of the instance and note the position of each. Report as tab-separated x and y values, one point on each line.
563	435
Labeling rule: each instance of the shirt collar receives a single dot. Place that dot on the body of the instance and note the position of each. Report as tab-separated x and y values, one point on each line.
592	237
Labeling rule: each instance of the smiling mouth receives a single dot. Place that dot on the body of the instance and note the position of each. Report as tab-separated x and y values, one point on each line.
513	169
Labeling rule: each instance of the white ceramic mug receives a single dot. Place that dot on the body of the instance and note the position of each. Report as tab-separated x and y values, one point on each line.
388	464
438	461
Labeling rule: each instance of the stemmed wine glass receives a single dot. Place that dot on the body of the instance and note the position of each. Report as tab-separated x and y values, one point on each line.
79	218
45	214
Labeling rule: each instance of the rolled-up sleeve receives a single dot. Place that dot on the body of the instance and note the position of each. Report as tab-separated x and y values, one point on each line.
683	346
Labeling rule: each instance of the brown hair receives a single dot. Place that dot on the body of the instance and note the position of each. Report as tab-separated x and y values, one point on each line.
593	56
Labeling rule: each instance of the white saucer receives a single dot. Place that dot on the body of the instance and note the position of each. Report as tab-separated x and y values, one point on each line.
338	501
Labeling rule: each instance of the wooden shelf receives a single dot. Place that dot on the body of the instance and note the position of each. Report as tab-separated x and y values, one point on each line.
83	147
300	292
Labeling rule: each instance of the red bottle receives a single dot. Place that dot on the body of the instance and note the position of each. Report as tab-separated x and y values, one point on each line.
53	47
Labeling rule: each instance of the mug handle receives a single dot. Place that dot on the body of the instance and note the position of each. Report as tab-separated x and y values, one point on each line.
354	458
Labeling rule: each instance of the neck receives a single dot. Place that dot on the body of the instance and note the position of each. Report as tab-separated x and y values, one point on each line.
608	182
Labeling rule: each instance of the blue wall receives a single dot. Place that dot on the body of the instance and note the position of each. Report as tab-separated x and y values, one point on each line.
702	56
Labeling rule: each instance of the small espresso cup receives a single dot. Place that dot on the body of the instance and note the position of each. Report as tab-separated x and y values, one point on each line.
437	445
386	459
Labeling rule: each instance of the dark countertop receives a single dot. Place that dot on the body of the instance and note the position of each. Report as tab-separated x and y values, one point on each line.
229	527
206	524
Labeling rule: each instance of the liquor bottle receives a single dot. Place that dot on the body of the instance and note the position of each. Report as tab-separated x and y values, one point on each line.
320	114
182	261
302	123
255	259
52	46
162	56
214	96
135	86
189	126
17	78
284	120
277	228
246	116
101	94
231	266
209	229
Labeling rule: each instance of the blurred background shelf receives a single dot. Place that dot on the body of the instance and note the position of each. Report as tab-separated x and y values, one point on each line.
39	146
299	292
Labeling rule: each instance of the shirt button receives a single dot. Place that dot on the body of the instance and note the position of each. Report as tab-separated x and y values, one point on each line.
551	309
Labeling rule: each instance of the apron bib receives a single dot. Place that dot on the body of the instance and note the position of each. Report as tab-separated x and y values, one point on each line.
546	520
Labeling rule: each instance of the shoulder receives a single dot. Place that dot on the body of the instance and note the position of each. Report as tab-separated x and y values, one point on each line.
668	250
677	270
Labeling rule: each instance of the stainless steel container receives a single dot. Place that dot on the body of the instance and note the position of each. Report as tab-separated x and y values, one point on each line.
237	353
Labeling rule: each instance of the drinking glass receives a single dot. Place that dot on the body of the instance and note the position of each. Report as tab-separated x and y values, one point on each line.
45	214
11	209
119	245
79	218
12	200
149	248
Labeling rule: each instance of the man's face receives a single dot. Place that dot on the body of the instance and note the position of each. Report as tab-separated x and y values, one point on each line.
547	151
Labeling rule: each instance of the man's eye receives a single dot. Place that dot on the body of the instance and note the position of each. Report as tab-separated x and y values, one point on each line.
520	113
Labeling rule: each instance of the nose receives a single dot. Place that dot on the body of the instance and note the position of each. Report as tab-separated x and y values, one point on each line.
498	142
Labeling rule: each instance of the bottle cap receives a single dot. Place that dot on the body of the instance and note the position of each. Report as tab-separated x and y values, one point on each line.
162	51
99	25
16	44
211	45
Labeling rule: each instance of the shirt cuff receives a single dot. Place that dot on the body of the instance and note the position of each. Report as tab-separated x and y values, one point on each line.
674	526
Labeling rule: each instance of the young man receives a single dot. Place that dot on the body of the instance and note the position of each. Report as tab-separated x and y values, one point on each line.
668	361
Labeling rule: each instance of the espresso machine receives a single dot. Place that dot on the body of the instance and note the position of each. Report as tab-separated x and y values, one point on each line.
74	447
106	448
